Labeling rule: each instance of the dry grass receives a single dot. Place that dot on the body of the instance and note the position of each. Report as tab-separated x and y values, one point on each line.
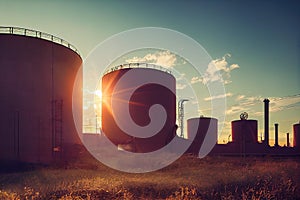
187	178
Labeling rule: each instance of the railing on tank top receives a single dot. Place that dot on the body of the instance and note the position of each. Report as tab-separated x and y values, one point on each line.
138	65
37	34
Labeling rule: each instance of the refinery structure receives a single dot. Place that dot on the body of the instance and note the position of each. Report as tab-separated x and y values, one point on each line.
38	72
244	131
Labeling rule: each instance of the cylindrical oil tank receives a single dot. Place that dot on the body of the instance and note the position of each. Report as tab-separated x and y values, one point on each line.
198	129
36	85
244	131
296	140
148	92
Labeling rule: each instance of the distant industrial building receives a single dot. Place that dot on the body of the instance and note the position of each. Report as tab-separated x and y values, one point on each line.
141	100
244	131
244	139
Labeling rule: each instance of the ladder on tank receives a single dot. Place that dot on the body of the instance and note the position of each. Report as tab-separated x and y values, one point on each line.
57	128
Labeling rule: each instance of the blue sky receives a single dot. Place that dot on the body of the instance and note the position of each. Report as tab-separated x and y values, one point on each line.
262	38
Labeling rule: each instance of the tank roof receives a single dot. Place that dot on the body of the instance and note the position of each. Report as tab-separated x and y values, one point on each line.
137	65
37	34
202	117
246	121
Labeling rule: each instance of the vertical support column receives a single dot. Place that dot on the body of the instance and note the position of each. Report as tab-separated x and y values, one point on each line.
276	135
181	116
266	141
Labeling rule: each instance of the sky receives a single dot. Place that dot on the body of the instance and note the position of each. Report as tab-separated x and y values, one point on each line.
254	44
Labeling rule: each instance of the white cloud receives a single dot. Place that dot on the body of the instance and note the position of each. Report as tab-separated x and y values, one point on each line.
180	86
195	79
254	104
218	96
245	104
236	109
161	58
240	97
234	66
284	103
180	77
217	70
258	113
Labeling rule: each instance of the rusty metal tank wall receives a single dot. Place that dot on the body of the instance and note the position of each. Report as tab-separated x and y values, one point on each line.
244	131
201	127
36	85
141	101
296	140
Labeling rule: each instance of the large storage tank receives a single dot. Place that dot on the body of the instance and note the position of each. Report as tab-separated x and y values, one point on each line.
37	75
143	97
244	131
198	129
296	141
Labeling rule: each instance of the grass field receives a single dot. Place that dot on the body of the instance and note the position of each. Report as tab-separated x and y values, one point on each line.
187	178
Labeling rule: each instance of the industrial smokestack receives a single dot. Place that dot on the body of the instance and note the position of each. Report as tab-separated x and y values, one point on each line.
296	142
276	135
287	139
266	141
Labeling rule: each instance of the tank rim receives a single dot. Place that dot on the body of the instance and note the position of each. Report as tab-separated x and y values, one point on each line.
239	120
138	66
12	30
197	118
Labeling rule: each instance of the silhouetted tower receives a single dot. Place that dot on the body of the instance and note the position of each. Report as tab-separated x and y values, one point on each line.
276	135
287	139
266	141
181	115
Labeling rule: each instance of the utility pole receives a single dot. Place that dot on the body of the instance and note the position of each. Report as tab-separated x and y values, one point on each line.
181	115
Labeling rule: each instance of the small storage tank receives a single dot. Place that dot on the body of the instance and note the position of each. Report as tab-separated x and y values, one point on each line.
244	131
198	129
296	141
37	75
142	98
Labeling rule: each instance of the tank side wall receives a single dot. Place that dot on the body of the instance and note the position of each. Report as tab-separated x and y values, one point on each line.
244	130
201	126
141	100
26	86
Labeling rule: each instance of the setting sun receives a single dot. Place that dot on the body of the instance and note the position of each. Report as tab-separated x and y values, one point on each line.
98	93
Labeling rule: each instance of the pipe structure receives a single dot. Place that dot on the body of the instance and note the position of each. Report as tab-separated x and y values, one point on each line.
287	139
266	141
181	116
276	135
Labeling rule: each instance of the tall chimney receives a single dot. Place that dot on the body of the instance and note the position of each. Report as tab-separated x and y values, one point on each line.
266	141
287	139
276	135
296	141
